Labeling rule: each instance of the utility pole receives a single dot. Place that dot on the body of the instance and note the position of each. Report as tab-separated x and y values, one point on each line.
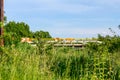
1	22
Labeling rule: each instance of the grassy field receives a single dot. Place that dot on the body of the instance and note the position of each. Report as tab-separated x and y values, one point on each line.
46	62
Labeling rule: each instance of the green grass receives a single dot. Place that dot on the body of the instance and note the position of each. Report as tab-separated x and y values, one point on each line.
45	62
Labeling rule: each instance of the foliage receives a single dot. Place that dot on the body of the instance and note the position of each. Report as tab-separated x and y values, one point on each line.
69	65
97	61
14	31
11	38
113	43
43	47
41	34
19	28
46	62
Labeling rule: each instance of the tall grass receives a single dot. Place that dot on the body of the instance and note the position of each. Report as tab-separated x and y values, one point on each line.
45	62
21	63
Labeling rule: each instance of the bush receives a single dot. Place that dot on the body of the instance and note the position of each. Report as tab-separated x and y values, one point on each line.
11	38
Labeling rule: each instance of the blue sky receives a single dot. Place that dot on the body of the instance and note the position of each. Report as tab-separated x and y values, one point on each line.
66	18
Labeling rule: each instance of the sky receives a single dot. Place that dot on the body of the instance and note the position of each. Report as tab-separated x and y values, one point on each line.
66	18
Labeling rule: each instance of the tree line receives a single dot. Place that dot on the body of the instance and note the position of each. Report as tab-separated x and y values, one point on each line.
14	31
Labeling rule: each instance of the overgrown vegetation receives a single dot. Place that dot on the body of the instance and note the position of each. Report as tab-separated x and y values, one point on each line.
21	61
14	31
46	62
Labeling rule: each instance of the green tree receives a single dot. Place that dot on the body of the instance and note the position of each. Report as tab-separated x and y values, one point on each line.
41	34
21	29
14	31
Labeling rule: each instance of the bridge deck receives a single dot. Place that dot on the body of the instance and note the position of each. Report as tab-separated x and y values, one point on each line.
69	45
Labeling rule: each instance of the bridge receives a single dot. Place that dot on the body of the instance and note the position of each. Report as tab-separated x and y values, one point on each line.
79	44
69	45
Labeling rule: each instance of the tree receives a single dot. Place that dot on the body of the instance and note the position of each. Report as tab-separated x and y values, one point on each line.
41	34
20	29
14	31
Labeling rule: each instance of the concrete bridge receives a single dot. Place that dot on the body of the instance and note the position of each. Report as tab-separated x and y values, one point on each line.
69	45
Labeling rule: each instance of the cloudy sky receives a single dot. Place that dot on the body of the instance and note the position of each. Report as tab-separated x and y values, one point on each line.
66	18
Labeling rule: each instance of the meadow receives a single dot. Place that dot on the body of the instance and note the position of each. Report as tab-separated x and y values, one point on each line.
46	62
